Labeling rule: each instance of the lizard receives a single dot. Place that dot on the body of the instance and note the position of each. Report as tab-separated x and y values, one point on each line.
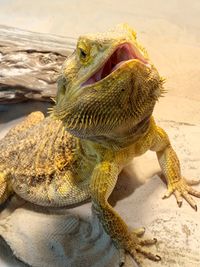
101	120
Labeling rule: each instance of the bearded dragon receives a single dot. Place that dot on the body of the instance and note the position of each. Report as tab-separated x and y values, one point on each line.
102	119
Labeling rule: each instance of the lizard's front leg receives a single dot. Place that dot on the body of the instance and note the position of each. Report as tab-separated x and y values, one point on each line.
102	183
170	166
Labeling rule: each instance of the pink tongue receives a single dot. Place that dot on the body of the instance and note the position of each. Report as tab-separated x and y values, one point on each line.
103	72
98	75
116	66
90	81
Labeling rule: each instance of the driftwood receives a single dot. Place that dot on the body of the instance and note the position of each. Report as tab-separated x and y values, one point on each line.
30	64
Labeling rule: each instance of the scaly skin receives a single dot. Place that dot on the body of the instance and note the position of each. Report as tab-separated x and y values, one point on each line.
101	121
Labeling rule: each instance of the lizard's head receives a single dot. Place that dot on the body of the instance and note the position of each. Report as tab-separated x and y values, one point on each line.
107	86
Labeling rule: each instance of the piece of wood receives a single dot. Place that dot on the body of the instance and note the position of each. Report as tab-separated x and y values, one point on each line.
30	63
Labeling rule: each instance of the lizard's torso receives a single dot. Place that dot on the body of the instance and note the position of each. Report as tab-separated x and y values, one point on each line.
42	155
44	161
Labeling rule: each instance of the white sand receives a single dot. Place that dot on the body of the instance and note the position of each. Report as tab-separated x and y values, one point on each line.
170	30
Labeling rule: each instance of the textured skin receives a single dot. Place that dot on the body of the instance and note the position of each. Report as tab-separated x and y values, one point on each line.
93	132
43	162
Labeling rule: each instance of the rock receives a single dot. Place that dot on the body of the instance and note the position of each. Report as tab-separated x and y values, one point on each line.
30	64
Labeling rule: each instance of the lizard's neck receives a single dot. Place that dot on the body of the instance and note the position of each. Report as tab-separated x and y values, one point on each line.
125	138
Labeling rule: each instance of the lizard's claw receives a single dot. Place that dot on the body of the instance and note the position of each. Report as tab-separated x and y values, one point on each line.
182	189
135	246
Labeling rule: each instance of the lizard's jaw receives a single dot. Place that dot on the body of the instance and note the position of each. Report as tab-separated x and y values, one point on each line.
123	53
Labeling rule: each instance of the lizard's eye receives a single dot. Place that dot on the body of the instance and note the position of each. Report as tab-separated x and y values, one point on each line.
83	53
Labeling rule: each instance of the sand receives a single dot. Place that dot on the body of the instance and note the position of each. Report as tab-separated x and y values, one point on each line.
170	31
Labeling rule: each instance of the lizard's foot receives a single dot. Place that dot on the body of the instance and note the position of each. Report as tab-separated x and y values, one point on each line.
126	239
4	188
135	246
182	189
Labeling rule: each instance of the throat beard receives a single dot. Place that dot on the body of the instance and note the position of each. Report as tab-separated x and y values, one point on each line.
132	134
124	139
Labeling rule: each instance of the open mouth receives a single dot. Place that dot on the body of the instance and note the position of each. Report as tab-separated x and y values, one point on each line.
123	53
